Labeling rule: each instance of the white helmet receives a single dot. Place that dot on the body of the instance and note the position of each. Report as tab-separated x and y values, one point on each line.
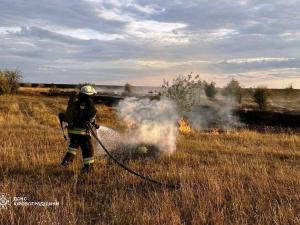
88	90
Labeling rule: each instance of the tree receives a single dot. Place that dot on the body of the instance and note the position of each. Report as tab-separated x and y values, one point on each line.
233	89
128	90
260	96
183	91
4	87
210	90
9	81
13	78
289	90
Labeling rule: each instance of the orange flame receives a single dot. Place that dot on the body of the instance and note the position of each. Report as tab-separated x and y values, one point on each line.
184	126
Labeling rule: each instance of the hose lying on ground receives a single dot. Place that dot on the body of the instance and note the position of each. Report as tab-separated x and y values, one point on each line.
173	186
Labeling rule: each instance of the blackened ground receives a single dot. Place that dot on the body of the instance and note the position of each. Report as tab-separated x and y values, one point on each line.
267	118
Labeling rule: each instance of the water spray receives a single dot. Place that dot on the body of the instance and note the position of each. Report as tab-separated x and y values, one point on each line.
168	185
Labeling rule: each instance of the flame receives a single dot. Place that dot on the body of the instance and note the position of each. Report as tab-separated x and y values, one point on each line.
184	126
215	131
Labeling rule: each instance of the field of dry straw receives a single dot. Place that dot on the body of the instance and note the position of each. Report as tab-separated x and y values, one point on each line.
242	177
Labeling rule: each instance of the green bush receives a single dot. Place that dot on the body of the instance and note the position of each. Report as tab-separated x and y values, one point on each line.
128	90
4	87
9	81
260	96
233	89
210	90
53	90
184	91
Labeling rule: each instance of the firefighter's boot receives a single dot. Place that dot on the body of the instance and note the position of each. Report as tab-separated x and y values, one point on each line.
67	159
87	168
87	164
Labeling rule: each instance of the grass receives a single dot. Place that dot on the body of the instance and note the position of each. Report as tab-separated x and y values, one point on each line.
241	177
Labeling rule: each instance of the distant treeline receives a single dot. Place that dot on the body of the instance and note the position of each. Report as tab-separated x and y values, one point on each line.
50	85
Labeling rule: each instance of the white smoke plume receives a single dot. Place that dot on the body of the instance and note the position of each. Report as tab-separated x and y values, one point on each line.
154	122
150	122
217	113
202	112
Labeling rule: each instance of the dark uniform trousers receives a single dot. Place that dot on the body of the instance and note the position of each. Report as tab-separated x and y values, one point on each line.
85	143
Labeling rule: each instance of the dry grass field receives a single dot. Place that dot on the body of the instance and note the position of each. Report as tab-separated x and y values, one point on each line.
241	177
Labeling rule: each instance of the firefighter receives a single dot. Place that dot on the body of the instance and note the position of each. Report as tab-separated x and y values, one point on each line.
80	112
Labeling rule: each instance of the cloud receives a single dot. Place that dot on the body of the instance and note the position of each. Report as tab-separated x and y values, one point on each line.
141	40
162	33
257	60
8	30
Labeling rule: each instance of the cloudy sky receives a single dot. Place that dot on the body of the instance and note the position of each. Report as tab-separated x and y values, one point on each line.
143	42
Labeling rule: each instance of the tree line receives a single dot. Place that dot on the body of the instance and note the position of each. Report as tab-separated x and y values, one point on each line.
186	91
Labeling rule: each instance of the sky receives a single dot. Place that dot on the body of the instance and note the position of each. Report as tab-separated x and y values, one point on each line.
143	42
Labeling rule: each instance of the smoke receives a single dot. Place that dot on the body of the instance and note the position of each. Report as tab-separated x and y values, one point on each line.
154	122
150	122
202	112
217	113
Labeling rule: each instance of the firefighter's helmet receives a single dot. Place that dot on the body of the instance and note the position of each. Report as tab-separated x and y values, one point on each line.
88	90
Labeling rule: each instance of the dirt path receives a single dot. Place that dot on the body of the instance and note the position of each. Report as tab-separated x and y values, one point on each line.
52	107
26	112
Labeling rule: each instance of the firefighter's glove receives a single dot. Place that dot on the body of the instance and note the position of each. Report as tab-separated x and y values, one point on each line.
94	124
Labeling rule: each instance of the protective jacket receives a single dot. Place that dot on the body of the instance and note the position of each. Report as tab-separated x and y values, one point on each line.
85	112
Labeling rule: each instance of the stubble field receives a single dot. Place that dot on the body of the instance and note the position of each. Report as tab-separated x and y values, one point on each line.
241	177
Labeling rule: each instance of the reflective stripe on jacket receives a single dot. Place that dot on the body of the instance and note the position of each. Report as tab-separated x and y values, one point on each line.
80	131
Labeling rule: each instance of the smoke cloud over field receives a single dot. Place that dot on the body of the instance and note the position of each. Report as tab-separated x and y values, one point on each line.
202	104
155	122
217	113
150	122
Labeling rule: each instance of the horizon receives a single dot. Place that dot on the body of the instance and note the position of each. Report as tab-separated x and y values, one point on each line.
141	86
143	42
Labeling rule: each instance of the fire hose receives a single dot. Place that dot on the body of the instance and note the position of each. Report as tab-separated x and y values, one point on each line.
61	118
172	186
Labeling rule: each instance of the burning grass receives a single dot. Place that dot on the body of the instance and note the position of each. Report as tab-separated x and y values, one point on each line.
183	126
241	177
